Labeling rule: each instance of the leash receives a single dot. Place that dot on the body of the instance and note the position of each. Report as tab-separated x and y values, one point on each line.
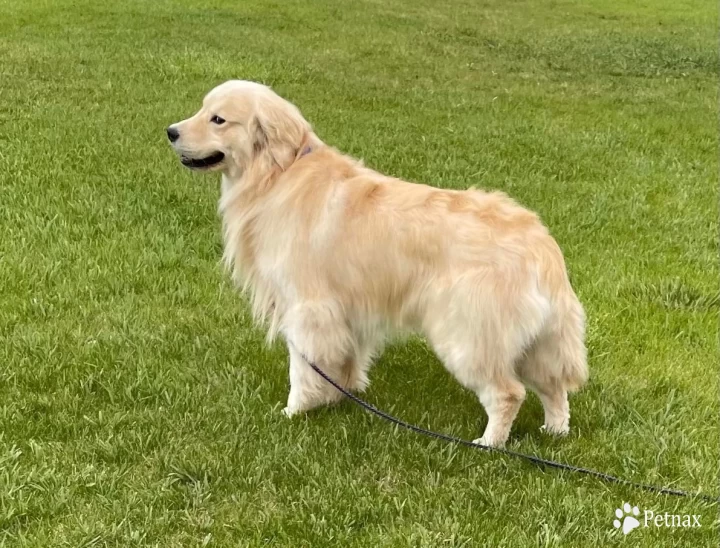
531	458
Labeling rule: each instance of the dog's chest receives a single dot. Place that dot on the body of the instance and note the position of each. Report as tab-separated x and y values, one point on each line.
256	254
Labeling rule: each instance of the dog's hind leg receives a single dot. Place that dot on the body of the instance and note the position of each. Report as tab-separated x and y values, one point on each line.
537	369
556	363
501	398
487	372
318	331
480	330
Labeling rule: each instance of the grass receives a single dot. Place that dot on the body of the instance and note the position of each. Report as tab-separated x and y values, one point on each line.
139	407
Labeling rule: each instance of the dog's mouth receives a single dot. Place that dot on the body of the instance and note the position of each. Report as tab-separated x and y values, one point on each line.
202	163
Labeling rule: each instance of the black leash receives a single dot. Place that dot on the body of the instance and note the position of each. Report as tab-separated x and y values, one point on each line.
532	458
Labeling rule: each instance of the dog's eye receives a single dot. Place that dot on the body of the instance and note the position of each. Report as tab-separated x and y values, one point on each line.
217	120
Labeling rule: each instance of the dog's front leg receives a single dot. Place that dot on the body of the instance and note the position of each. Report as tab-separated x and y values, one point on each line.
308	389
317	331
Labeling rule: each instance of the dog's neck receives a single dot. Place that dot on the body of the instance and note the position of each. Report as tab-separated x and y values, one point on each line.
243	200
263	170
243	194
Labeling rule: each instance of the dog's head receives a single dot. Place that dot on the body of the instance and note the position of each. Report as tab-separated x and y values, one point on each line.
240	124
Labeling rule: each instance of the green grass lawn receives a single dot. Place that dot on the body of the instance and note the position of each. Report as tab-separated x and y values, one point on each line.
139	407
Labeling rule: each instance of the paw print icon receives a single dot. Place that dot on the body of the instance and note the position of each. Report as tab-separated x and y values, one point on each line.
627	518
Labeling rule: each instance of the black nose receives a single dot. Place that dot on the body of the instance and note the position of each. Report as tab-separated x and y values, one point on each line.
173	134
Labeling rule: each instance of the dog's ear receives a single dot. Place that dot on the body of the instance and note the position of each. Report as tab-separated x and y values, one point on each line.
260	137
280	131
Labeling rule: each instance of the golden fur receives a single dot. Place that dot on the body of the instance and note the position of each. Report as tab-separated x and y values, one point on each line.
335	256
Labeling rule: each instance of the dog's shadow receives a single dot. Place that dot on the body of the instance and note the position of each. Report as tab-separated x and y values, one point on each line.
409	381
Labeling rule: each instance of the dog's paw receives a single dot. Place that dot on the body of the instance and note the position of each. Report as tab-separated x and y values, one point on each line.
556	429
487	443
289	413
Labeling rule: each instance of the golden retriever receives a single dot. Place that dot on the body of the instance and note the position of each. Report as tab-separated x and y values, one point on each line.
336	256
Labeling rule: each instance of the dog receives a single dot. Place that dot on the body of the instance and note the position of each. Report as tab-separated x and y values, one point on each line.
336	256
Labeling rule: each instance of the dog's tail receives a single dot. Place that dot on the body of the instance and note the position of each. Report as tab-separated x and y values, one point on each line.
563	339
570	339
